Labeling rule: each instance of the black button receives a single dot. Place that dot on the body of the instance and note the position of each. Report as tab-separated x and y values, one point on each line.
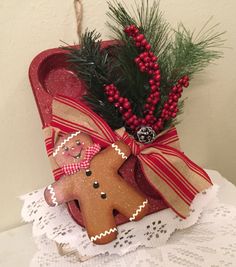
95	184
88	172
103	195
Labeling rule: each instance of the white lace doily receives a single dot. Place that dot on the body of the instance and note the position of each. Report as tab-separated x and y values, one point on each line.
211	243
152	231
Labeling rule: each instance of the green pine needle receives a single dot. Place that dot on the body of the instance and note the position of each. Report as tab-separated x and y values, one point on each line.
180	52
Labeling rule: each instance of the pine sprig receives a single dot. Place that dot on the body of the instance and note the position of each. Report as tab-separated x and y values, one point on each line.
94	66
190	53
180	52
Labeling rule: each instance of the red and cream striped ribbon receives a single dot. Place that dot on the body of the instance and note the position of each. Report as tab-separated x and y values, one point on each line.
173	175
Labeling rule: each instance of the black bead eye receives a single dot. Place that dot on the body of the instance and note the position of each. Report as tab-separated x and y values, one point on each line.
77	142
103	195
95	184
88	173
66	148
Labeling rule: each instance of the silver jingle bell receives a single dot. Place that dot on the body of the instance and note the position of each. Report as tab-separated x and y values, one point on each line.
146	134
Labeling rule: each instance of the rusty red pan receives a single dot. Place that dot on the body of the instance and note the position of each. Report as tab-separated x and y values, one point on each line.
49	75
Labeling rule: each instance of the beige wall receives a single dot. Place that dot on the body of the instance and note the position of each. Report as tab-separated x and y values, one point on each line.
208	129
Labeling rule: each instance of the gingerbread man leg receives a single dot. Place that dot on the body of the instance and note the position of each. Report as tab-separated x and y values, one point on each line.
132	204
99	222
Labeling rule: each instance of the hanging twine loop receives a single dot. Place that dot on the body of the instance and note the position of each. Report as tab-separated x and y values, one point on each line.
79	16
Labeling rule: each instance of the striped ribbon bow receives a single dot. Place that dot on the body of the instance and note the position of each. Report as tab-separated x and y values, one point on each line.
173	175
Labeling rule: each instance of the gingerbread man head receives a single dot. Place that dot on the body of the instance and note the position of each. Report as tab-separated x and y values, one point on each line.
71	148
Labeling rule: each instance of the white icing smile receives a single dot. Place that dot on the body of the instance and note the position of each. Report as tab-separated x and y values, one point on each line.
78	156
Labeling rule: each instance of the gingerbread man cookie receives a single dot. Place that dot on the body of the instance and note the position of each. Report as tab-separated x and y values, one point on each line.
92	178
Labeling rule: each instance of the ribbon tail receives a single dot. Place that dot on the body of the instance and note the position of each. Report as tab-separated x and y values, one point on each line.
177	179
49	139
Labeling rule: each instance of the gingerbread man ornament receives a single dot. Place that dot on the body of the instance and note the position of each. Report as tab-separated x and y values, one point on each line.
91	177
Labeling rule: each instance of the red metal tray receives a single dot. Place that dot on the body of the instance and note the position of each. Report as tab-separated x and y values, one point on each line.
49	75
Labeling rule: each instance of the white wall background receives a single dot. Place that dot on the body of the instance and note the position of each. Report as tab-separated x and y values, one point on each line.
208	130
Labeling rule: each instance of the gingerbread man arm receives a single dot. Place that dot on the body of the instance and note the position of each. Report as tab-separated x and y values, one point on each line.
114	155
60	191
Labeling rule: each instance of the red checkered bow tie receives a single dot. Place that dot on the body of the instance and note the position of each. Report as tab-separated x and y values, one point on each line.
91	151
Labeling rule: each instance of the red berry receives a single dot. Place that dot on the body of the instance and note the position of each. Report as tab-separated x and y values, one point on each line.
146	59
157	78
140	37
141	64
142	69
155	66
174	89
144	42
126	105
186	84
136	122
130	120
110	92
151	82
110	99
173	115
172	107
132	27
155	128
154	58
150	72
142	56
121	100
148	47
138	44
116	96
137	60
166	106
126	115
175	98
153	88
148	118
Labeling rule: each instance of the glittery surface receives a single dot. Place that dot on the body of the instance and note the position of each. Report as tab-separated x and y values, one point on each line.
49	75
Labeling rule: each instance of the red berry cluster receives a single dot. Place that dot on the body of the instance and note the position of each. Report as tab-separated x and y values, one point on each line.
171	105
123	104
147	62
139	39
